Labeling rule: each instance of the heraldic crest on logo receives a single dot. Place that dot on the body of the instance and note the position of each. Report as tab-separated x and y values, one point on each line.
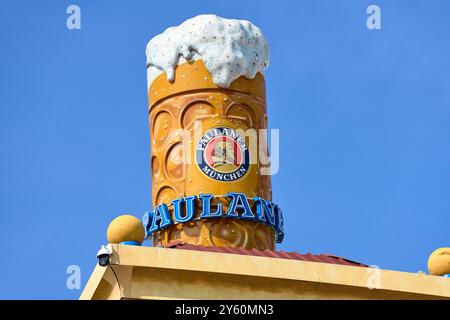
222	154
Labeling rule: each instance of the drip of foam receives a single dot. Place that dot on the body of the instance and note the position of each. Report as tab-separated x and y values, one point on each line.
229	48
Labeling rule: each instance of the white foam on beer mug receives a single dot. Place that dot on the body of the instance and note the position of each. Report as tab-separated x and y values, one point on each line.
229	48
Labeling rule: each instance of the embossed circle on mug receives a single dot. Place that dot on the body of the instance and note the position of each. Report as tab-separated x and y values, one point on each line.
162	126
155	166
175	233
242	112
165	195
195	110
192	231
175	162
227	233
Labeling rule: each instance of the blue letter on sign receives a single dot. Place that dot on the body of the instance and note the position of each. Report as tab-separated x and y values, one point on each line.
146	221
161	218
189	209
279	224
239	201
206	204
265	211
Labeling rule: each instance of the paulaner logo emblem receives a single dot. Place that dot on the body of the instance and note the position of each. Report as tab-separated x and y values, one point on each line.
222	154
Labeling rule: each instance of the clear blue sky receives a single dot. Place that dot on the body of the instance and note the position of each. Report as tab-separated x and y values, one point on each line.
364	118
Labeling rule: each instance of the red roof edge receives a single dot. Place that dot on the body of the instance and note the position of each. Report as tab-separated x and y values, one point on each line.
321	258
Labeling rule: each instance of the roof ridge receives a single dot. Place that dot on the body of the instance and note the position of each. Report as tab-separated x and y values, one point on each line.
320	258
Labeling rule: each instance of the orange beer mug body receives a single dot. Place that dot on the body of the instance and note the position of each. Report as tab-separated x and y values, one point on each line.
205	143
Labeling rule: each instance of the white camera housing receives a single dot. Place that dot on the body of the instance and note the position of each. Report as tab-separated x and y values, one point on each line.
103	255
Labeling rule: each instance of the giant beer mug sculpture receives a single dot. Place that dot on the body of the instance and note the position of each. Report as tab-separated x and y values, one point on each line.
206	90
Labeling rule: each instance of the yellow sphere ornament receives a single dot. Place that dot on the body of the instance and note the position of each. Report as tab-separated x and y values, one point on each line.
126	229
439	262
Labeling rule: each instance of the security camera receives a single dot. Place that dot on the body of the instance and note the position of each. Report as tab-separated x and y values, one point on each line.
103	255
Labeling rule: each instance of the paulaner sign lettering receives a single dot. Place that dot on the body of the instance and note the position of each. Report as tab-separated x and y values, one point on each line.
185	210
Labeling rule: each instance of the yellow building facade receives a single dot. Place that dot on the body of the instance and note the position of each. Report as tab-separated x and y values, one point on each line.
170	273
